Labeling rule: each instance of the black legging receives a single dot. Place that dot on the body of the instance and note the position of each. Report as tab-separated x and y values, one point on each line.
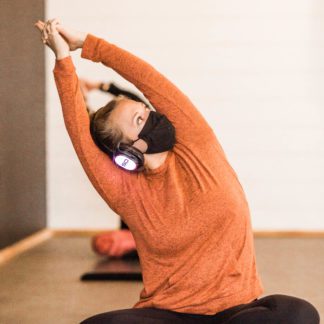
274	309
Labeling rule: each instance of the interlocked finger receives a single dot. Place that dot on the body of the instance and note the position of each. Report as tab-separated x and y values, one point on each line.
41	27
48	28
51	27
45	30
54	22
44	33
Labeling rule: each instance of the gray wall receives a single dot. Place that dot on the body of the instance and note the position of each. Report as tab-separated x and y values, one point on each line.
22	121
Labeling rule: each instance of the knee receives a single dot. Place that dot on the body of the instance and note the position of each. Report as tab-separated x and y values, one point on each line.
308	314
299	310
107	318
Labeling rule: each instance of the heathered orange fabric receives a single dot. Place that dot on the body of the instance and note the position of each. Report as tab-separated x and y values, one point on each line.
189	217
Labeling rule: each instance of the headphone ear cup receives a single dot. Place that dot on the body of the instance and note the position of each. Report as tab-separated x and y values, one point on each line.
129	157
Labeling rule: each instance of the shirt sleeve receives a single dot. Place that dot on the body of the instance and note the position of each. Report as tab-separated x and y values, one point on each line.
104	175
191	127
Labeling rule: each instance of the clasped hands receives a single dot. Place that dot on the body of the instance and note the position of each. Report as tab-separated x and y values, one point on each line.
60	39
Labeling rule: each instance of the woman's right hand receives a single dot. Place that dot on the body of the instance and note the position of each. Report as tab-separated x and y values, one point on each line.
74	38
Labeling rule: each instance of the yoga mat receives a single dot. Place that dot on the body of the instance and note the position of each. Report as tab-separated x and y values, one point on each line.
126	268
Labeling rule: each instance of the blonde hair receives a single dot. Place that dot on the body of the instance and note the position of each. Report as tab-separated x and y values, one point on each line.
105	134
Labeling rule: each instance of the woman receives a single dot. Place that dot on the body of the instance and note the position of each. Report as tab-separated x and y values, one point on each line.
186	208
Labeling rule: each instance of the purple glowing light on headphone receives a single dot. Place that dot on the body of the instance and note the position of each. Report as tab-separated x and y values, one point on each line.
125	162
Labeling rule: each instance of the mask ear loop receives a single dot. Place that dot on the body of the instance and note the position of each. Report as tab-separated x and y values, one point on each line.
138	148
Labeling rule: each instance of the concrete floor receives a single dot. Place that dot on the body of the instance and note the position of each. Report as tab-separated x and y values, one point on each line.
42	285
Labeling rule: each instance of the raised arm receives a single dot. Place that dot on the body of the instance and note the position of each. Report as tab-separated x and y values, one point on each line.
162	94
192	130
103	174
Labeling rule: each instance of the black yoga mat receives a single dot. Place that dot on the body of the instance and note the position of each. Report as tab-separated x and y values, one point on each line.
125	268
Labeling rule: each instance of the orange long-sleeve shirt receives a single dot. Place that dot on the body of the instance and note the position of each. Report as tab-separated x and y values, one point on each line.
189	217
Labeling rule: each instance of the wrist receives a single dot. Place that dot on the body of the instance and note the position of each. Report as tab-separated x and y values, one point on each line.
82	38
62	54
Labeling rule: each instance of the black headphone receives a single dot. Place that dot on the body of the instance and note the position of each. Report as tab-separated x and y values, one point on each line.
124	155
128	157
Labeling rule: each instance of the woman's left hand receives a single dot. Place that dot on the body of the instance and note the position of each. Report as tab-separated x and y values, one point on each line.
74	38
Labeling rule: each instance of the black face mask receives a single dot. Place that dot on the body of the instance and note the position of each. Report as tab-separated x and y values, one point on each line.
158	132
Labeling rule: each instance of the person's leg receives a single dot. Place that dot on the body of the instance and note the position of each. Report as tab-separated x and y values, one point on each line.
273	309
147	316
279	309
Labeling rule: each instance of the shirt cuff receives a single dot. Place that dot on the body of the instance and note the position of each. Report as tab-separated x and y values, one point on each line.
64	65
90	48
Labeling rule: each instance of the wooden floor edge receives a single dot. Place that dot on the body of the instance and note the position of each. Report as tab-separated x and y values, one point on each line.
289	234
25	244
256	233
43	235
62	232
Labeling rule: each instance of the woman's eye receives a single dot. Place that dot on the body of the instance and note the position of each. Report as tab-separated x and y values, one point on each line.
139	118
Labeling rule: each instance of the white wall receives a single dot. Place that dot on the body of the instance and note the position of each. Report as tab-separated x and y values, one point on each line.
254	69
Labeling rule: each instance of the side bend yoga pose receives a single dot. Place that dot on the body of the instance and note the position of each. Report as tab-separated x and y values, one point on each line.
182	202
